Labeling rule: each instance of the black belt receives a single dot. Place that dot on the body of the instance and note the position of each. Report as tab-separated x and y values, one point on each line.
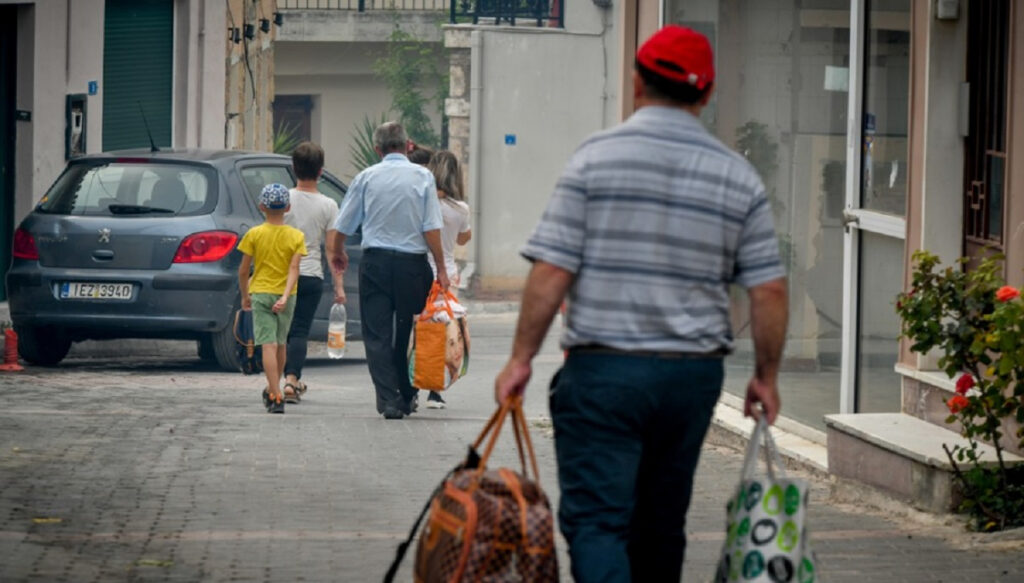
393	253
602	349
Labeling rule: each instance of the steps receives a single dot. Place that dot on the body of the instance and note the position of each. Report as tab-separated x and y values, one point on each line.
901	455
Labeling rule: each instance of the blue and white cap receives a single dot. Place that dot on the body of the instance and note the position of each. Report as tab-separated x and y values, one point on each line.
275	196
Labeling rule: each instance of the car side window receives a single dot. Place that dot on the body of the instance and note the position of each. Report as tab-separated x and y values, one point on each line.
331	189
256	177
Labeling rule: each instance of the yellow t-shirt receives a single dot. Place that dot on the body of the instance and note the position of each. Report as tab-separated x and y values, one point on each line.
272	248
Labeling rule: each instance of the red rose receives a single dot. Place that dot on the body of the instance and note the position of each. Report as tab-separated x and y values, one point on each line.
1007	293
957	404
964	383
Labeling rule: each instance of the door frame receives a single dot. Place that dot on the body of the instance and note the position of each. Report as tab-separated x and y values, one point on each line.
855	218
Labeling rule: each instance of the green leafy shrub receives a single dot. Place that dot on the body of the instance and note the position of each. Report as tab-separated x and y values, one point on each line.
977	322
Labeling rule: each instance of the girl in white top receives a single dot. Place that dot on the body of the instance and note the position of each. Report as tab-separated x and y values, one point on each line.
456	229
454	210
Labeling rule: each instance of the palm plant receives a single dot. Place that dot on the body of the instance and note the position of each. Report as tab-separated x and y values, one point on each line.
285	139
363	153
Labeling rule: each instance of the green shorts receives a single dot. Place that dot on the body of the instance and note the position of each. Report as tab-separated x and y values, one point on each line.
268	327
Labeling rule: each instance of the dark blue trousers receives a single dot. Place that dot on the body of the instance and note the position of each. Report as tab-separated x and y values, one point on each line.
628	434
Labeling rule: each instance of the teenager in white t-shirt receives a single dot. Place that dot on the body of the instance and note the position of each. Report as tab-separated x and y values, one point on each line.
456	229
312	213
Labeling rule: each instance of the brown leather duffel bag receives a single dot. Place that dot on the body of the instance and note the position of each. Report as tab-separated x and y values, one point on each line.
487	525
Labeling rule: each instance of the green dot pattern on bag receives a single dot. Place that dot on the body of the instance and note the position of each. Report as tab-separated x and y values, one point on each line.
744	529
789	536
792	499
734	567
741	499
753	565
806	572
773	500
731	537
753	495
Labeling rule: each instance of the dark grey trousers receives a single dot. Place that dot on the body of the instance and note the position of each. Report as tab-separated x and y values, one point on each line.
393	288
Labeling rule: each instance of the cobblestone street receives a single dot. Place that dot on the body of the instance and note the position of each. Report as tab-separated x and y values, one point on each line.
159	468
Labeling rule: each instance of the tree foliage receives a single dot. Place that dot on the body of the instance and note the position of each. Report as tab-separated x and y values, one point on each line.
417	84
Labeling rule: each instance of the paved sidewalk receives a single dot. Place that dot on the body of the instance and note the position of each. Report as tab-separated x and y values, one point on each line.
158	470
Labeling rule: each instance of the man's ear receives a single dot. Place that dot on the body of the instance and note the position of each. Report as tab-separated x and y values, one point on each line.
638	87
707	95
319	173
379	153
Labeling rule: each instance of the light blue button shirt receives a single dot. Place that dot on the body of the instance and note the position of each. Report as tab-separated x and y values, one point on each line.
395	201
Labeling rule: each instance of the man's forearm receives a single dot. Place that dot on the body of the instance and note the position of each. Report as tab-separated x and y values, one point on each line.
335	240
545	289
769	314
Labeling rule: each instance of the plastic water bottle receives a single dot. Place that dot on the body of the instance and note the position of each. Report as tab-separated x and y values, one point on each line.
336	331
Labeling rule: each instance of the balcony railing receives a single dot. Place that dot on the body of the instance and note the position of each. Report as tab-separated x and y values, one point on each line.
531	12
364	5
541	12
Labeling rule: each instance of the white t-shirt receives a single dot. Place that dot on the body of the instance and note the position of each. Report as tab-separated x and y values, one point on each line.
312	213
455	215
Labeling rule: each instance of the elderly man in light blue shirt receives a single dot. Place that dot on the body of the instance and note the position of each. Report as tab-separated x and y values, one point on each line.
395	202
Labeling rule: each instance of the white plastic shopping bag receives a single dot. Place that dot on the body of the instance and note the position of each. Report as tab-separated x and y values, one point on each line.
766	518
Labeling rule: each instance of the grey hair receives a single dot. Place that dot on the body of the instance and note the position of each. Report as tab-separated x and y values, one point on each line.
390	137
447	174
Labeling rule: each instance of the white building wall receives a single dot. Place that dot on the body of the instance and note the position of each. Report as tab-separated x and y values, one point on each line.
548	88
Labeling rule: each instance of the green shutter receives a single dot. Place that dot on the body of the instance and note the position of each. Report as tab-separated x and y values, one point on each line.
138	43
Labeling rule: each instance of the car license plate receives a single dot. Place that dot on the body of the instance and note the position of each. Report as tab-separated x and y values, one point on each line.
77	290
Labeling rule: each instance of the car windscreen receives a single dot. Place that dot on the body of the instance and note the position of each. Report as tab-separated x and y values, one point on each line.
131	188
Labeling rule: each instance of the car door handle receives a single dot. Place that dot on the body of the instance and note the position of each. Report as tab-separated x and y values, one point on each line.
103	254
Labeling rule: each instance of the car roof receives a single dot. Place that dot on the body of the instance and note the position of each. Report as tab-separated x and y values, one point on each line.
184	155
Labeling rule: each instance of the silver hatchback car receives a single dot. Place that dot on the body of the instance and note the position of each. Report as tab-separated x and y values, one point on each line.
142	244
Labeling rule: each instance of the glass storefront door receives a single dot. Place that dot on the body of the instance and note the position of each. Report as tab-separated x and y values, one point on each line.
784	77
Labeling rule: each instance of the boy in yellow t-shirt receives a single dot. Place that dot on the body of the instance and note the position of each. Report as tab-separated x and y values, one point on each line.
273	249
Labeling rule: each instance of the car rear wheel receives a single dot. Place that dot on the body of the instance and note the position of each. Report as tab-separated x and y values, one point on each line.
225	348
42	346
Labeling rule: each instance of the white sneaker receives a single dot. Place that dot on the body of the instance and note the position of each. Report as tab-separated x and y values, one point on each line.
435	402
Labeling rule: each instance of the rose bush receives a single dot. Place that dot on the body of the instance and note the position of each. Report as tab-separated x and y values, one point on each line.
977	323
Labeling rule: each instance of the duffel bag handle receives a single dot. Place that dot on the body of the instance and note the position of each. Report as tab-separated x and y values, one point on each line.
432	307
513	405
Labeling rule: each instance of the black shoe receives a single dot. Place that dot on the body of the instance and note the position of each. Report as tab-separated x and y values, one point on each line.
392	413
414	404
266	400
276	407
434	401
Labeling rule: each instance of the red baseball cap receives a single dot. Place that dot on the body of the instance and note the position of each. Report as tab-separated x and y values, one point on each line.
679	54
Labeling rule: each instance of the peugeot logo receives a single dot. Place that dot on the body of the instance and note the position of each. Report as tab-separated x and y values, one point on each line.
104	235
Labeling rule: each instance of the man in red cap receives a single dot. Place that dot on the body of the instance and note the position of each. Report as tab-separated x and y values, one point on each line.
649	224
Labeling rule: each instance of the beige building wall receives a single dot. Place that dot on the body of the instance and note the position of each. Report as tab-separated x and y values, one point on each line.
339	78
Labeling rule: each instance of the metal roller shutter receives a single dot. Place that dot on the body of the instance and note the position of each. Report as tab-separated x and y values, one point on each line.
138	64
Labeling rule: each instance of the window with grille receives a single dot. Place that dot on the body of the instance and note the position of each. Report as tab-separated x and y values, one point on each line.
987	66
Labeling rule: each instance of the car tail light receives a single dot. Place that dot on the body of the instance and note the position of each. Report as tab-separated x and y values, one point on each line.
205	247
25	245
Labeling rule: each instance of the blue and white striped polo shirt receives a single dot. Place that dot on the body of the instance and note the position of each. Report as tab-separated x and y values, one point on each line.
656	217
